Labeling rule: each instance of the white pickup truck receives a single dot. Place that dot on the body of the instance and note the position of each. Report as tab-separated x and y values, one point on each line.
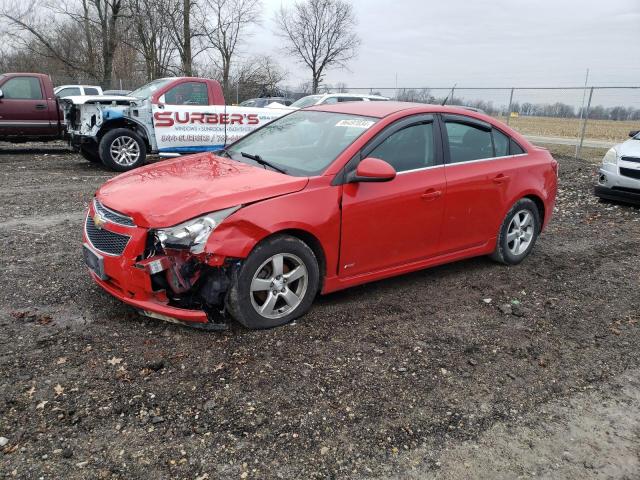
169	116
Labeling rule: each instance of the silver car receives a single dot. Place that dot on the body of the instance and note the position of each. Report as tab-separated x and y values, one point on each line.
619	177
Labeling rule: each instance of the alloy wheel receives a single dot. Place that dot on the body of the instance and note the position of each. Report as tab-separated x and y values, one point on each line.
520	232
125	151
279	285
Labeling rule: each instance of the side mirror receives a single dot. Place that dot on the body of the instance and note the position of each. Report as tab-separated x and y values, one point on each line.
632	133
372	170
1	93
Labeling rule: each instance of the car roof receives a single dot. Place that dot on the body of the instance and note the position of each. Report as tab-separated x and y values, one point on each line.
384	109
360	95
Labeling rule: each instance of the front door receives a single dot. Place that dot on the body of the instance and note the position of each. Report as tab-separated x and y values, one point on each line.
397	222
23	109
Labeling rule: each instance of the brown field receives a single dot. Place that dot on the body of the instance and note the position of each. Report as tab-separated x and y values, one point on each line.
611	130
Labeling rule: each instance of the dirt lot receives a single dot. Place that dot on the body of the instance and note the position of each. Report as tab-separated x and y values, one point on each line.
471	370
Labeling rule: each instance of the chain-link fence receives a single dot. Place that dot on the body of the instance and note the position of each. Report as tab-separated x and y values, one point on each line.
569	118
574	117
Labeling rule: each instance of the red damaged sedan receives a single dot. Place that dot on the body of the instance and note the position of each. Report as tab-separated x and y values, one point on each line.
319	200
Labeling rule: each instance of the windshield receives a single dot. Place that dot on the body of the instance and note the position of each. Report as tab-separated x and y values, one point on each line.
303	143
306	101
147	90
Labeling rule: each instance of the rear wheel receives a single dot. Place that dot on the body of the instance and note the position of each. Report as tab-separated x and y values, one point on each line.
276	284
122	150
518	233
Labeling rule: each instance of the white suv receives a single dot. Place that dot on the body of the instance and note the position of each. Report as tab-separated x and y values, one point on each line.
619	177
329	98
76	90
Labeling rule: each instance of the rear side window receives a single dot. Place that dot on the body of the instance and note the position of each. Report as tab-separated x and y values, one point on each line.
467	142
68	92
408	149
515	149
22	88
91	91
188	93
501	143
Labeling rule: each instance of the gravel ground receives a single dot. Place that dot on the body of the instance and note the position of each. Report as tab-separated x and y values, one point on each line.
470	370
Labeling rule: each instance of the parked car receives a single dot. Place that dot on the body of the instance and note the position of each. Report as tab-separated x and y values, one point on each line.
29	110
169	116
264	101
317	201
77	90
122	93
330	98
619	178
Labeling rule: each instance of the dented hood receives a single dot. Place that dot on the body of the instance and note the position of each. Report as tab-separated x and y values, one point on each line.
173	191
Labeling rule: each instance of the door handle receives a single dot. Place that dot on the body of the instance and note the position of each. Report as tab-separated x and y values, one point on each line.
431	194
502	178
41	106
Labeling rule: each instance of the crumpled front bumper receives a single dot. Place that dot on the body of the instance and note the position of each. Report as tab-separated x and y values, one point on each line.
614	186
131	284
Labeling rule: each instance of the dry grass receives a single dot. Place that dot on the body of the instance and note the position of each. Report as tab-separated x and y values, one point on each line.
609	130
592	155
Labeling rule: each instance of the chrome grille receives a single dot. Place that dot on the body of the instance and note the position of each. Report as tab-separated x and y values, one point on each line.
105	241
112	216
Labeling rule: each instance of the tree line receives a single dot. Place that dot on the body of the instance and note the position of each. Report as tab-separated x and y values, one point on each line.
557	109
98	41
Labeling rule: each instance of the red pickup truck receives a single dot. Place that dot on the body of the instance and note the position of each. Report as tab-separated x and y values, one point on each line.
29	110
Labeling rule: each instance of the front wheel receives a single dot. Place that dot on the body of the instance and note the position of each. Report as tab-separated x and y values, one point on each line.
518	233
122	150
276	284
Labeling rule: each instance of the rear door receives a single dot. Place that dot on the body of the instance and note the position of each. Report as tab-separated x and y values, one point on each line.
477	182
24	110
389	224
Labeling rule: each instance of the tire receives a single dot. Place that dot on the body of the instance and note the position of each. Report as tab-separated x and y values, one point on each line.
90	153
253	286
122	150
510	246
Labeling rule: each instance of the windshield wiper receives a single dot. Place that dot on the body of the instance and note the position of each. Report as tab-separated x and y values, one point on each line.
261	161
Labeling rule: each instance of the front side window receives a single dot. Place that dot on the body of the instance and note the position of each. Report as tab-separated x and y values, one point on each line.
68	92
408	149
22	88
187	93
303	143
467	142
91	91
350	99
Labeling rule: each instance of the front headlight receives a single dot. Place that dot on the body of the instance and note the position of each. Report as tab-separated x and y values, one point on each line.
193	234
611	157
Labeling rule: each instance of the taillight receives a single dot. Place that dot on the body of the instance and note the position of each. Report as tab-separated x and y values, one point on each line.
555	165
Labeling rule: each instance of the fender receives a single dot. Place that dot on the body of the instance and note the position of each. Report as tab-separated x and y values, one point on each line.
238	235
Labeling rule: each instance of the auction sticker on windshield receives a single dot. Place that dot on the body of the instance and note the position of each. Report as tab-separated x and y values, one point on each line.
355	123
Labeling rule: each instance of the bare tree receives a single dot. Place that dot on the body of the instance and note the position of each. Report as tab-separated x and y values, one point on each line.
152	35
231	19
320	33
178	16
46	23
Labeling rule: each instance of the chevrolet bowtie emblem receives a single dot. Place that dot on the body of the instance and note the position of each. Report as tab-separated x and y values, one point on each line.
98	221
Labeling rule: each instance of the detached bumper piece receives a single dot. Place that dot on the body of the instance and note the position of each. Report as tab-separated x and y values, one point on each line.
618	194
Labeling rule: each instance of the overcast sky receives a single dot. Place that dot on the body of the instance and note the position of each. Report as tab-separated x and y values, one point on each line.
481	43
